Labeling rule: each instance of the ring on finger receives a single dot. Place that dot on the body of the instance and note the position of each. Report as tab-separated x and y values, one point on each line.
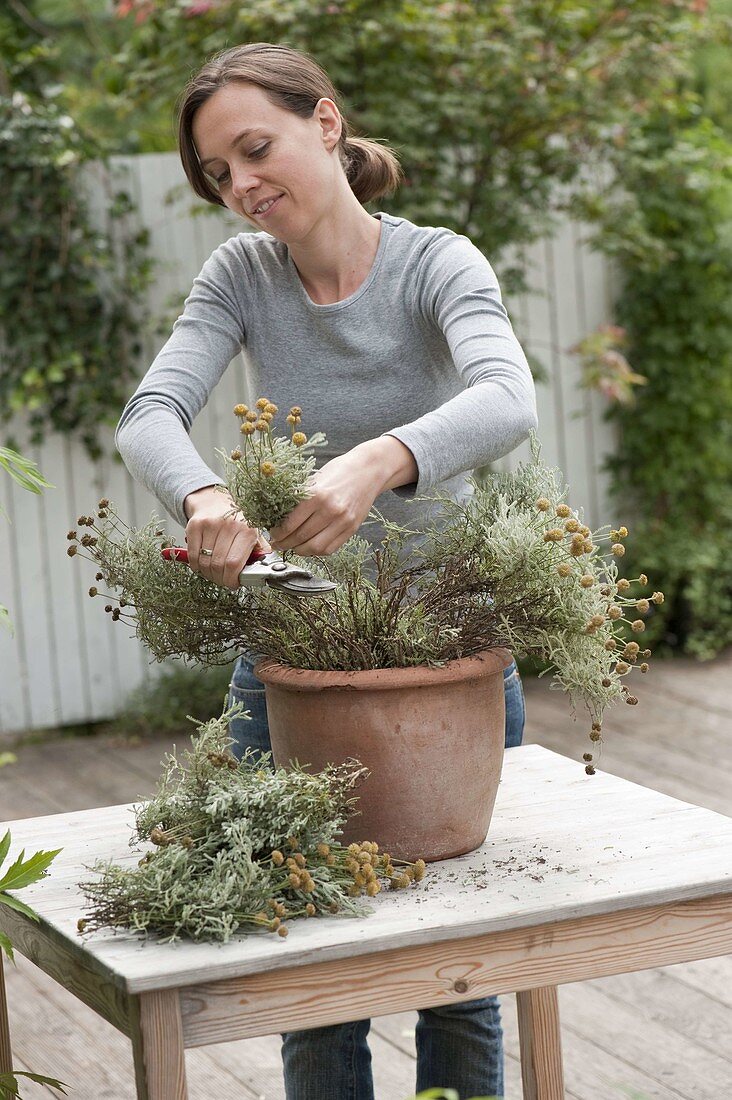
207	553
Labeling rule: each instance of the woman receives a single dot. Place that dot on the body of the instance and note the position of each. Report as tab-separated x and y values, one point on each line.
394	339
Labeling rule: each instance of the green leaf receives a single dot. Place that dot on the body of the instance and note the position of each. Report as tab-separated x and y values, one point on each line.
8	1086
4	846
15	903
23	873
23	470
9	1082
6	946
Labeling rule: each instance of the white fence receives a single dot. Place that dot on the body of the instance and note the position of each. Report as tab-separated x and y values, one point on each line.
67	663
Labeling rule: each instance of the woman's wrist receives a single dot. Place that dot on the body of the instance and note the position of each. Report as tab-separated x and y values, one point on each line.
391	460
199	498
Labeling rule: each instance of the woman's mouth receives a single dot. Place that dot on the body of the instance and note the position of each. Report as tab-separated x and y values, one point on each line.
266	208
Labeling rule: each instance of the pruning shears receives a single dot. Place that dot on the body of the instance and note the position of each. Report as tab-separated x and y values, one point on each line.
268	569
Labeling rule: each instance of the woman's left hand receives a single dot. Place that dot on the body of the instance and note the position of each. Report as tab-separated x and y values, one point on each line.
341	495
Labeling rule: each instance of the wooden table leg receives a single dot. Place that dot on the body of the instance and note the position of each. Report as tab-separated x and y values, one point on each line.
6	1060
157	1046
541	1046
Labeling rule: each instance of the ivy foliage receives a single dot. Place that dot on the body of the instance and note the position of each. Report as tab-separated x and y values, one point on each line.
490	106
672	233
71	291
72	282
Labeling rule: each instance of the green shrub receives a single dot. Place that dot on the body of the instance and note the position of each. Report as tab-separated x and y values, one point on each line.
672	232
70	292
162	705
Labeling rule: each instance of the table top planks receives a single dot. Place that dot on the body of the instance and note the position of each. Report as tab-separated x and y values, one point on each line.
561	845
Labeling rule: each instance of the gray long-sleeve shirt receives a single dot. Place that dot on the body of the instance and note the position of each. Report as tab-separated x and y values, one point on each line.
423	351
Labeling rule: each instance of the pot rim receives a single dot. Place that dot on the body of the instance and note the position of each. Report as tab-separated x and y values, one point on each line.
480	665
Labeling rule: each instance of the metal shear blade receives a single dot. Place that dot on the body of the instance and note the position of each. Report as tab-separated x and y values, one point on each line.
270	569
304	586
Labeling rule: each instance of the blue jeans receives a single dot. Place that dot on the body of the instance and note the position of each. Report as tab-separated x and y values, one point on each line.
459	1046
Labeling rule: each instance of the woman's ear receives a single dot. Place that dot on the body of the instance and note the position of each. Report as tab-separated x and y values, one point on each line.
330	122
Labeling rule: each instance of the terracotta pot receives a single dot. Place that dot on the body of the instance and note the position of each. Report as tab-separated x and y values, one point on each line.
432	739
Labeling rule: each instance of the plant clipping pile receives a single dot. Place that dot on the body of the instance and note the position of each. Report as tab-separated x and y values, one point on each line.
514	566
239	846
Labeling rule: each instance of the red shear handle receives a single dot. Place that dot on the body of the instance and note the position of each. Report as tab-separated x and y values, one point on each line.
179	553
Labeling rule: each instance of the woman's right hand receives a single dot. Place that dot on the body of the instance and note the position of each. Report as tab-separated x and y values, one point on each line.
215	523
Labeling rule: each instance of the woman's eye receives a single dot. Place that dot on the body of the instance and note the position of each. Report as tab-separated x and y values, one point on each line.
222	178
260	151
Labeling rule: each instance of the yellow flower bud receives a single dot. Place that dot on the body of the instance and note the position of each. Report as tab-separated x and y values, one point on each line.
291	419
246	428
266	416
642	605
597	620
299	438
236	454
564	569
623	585
295	411
252	415
240	410
617	549
614	612
587	581
643	579
563	510
554	535
571	525
270	408
262	403
621	667
543	504
623	532
657	597
261	426
638	626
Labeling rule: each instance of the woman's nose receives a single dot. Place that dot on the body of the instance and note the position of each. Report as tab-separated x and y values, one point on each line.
242	181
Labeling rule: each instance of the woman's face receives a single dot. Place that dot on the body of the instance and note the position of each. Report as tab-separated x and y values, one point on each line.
256	151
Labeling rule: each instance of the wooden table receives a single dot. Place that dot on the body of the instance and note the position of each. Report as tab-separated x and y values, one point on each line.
580	877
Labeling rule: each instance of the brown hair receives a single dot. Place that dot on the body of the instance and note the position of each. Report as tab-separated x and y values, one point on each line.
293	80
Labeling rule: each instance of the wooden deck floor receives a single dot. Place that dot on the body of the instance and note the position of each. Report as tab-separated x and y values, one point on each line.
662	1034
